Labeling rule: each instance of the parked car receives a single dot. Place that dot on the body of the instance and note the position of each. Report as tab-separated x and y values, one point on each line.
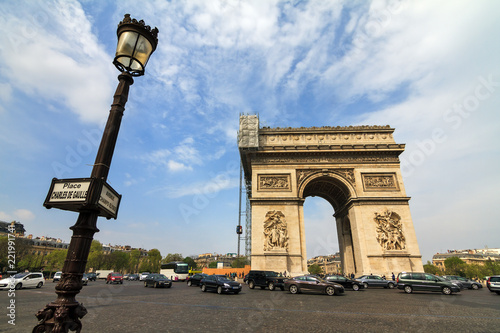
345	282
195	279
85	279
313	283
264	279
56	277
465	282
157	281
143	275
23	280
114	278
376	281
220	283
413	281
493	283
133	277
92	276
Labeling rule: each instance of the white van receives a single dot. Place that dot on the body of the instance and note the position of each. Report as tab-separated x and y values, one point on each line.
57	277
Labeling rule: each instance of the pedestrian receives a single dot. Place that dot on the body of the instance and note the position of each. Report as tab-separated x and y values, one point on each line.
393	277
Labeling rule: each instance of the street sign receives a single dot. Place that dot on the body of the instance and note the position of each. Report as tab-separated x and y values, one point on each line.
109	201
79	194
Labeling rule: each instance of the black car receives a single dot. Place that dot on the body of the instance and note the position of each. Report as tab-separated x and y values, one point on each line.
92	276
313	283
414	281
133	277
345	282
157	281
220	283
196	279
264	279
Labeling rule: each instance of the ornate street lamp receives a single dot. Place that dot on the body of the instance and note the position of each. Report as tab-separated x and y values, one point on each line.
136	43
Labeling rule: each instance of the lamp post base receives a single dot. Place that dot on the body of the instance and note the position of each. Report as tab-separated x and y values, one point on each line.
56	318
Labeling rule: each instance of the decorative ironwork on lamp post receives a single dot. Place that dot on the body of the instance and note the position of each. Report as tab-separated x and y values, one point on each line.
93	197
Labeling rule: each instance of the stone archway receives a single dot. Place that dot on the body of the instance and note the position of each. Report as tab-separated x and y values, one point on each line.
356	169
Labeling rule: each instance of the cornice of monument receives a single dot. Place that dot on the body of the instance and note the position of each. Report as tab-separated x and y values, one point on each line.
340	129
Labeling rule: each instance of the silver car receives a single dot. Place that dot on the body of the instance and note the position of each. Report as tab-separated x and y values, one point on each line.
463	282
376	281
493	284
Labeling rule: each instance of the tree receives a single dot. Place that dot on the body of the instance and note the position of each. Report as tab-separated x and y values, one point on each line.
154	259
135	257
55	260
120	260
172	257
213	264
315	269
240	262
455	266
96	258
430	268
191	263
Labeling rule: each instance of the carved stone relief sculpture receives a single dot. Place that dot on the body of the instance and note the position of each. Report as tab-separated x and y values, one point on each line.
390	231
380	182
274	182
275	231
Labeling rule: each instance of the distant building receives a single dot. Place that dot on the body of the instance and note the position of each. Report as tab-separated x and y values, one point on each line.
331	264
18	228
476	256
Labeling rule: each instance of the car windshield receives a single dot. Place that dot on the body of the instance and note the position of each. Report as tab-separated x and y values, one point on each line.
272	274
223	279
318	278
440	278
161	276
20	275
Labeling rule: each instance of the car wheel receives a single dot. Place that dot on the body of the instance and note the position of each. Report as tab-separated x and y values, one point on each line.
155	285
271	286
355	287
390	285
408	289
330	291
475	287
203	288
498	292
19	286
145	284
168	286
190	283
365	285
294	289
39	285
121	282
446	290
219	290
251	284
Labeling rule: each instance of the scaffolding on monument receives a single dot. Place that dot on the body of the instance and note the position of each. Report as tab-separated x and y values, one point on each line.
245	214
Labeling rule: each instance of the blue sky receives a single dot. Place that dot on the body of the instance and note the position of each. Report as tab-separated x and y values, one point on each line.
429	69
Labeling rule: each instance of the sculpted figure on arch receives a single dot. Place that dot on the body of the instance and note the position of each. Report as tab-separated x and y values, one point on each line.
275	231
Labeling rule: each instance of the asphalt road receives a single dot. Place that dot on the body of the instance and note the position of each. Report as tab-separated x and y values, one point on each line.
133	308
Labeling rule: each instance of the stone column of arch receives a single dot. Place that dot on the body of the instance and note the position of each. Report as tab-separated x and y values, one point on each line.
356	169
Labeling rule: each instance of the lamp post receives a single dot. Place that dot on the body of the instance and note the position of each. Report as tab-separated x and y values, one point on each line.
136	43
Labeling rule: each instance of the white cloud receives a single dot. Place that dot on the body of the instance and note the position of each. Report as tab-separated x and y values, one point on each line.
53	55
4	216
24	215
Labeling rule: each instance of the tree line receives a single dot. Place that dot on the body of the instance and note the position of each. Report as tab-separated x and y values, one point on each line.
456	266
28	259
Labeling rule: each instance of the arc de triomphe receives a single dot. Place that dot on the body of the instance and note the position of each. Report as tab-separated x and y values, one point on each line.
355	168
